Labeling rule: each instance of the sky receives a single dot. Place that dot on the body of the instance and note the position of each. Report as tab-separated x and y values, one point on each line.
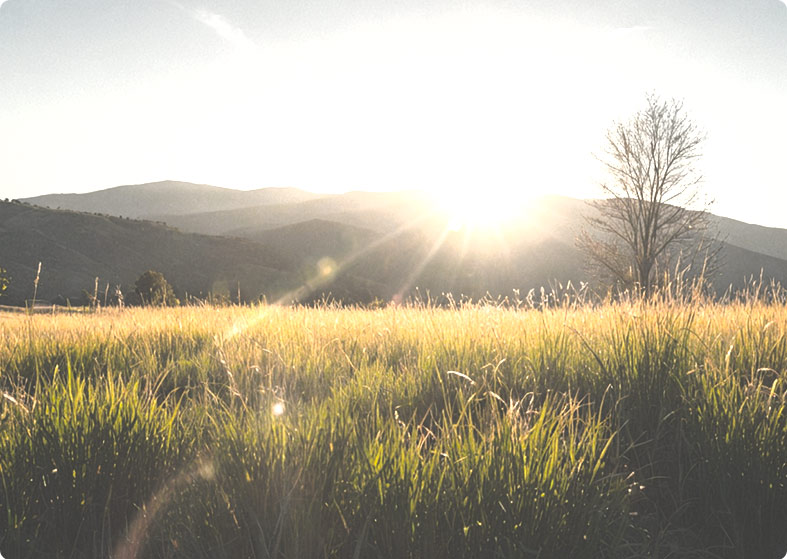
495	98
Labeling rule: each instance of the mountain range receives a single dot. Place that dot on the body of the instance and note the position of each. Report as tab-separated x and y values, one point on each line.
288	244
143	201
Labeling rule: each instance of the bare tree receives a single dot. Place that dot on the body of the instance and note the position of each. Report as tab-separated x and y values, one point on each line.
653	222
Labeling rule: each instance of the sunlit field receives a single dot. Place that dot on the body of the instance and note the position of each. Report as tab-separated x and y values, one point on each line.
621	430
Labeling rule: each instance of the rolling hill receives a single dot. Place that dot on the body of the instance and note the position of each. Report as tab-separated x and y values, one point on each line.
378	211
167	197
304	260
75	248
221	211
771	241
315	239
357	247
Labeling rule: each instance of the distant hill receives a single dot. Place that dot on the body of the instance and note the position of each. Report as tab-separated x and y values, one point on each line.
305	259
75	248
738	265
536	249
765	240
378	211
168	197
463	266
357	247
315	239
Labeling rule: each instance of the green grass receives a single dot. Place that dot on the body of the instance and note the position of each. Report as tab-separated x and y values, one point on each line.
622	430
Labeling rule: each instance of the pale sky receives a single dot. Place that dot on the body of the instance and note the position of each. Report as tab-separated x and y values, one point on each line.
502	97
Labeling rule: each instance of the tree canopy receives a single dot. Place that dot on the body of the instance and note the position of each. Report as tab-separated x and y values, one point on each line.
152	288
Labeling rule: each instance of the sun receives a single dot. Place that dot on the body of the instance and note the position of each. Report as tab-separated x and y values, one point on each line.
478	209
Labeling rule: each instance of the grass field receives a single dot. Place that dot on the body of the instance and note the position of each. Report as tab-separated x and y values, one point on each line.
623	430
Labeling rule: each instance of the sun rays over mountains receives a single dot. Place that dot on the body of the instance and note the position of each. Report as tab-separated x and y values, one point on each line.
287	244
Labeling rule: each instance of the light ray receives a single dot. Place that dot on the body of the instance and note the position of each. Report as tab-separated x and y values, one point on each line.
319	281
480	232
408	283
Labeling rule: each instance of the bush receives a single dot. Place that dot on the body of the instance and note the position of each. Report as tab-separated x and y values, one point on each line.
152	289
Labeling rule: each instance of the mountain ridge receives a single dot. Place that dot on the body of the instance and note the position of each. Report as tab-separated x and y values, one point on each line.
358	246
76	247
142	201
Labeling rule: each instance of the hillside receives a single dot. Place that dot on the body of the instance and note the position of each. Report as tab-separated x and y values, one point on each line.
213	210
771	241
739	265
167	197
317	238
356	247
535	250
378	211
75	248
307	259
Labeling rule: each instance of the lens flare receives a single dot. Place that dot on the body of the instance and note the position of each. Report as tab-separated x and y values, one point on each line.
327	267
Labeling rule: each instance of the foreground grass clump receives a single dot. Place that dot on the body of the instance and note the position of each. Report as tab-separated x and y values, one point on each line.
628	430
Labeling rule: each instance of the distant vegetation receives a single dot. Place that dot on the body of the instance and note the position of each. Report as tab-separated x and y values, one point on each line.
152	289
629	430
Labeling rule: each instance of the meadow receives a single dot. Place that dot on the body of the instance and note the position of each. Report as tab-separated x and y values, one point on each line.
621	430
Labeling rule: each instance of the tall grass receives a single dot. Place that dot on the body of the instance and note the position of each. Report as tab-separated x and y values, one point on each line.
629	429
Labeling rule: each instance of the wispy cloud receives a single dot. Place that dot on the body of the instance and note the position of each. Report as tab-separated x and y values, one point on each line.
223	28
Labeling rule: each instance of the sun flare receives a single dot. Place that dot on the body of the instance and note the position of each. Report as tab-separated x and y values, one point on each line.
479	209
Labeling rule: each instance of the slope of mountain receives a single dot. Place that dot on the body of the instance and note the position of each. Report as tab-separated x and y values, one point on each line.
222	211
307	259
463	266
75	248
537	249
357	246
317	239
378	211
766	240
740	265
168	197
